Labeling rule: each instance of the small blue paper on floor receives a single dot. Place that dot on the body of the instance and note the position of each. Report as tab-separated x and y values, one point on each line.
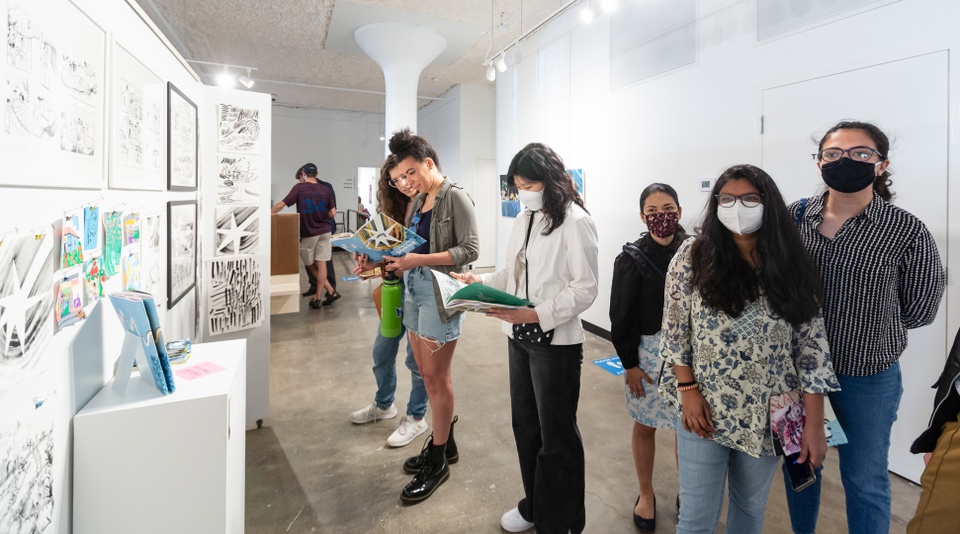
611	365
350	278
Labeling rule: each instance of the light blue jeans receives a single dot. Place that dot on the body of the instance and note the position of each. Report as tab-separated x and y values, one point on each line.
866	407
385	371
704	467
420	314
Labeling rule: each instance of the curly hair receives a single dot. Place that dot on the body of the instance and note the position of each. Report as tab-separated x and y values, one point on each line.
406	144
883	182
537	162
786	276
391	201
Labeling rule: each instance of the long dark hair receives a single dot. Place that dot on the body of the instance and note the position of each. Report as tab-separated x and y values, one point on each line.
883	182
537	162
391	201
666	189
787	275
406	144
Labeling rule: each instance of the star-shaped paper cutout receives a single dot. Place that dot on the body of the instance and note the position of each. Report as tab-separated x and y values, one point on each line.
233	234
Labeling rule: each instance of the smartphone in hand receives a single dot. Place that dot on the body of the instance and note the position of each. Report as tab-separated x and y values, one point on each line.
801	475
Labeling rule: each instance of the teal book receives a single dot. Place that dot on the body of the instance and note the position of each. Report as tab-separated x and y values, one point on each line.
154	318
133	316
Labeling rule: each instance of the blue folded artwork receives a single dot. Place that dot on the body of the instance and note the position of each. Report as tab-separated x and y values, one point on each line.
138	315
380	236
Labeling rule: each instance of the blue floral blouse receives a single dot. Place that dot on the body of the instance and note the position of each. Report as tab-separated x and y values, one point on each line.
740	362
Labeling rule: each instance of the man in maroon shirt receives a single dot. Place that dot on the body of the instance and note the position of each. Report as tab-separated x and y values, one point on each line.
316	206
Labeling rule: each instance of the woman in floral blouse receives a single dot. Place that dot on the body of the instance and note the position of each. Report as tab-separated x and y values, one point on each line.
741	324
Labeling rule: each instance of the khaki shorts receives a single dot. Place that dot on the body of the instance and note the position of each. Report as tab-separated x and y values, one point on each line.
315	248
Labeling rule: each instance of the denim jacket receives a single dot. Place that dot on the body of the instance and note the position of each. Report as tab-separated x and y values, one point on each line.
452	229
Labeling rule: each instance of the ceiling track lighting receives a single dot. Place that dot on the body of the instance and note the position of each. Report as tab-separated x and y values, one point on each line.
226	78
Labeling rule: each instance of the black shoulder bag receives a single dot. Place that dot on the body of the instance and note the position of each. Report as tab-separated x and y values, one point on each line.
530	333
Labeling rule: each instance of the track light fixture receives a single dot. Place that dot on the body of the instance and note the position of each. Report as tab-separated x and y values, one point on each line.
226	78
586	14
245	79
501	64
491	72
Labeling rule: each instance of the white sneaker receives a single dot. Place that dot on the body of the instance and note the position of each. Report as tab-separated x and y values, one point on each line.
372	413
512	521
408	430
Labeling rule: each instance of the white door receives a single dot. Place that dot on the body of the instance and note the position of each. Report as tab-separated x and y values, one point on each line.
486	196
908	100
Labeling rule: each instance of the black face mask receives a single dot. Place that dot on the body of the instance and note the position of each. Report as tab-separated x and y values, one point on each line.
848	176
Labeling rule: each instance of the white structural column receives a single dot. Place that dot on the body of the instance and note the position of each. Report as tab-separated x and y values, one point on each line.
402	51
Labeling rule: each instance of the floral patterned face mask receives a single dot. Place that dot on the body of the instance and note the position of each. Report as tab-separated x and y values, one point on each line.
663	223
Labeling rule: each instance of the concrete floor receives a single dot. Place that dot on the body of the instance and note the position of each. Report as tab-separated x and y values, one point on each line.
310	470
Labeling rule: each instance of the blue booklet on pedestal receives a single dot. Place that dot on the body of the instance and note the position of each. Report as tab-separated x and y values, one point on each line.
138	315
380	236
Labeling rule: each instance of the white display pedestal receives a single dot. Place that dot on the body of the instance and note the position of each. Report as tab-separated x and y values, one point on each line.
146	462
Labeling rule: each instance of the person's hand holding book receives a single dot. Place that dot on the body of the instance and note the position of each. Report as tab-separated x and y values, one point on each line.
467	278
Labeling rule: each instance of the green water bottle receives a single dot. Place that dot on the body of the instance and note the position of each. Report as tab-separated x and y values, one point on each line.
391	302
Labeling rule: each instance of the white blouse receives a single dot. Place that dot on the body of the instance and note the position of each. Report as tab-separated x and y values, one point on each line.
562	271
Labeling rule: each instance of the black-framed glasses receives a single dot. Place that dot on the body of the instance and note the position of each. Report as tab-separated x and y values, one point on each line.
857	153
749	200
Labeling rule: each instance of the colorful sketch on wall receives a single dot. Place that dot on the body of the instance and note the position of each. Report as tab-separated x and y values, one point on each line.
150	256
238	230
91	228
53	82
71	239
92	281
181	249
112	243
234	302
577	176
509	205
26	291
239	181
27	457
131	228
70	298
131	271
239	128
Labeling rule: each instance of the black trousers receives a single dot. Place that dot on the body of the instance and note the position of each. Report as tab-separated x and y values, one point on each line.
544	394
331	275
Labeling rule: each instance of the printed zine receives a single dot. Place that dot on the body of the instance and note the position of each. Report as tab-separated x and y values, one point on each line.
138	315
474	297
380	236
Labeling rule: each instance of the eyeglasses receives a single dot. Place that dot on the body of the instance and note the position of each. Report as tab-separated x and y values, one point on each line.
403	177
749	200
857	153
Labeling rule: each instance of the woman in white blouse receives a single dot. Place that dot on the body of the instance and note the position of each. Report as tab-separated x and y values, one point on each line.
741	324
552	262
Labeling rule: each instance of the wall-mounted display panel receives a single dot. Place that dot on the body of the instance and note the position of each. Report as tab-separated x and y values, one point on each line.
52	132
138	125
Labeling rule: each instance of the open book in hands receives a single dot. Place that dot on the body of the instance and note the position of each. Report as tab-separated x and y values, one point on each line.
380	236
474	297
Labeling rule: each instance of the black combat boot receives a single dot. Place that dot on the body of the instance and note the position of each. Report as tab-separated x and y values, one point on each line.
413	464
434	472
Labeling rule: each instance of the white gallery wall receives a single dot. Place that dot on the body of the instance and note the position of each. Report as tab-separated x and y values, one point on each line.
883	61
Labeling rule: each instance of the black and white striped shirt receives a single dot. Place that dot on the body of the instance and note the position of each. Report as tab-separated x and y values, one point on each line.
881	275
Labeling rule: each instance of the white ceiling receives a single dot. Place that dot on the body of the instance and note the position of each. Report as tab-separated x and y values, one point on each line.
310	42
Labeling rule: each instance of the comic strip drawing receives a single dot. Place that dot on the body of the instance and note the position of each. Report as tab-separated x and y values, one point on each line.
182	141
239	128
26	471
238	230
137	124
26	302
234	302
29	112
71	239
181	249
112	243
239	180
91	228
77	124
130	129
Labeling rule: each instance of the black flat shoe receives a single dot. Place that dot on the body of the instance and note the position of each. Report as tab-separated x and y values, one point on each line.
646	525
315	304
430	477
310	292
330	298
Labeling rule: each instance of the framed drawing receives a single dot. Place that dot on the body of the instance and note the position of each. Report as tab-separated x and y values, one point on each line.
182	141
137	160
181	249
53	76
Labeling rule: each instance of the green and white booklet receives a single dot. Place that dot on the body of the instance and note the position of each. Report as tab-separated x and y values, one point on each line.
474	297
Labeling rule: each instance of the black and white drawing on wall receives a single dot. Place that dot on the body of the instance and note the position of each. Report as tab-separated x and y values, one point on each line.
26	303
181	249
234	302
181	141
53	82
150	256
138	125
238	230
27	471
239	180
239	129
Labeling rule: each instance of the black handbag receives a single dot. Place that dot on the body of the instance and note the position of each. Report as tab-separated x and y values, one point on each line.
530	333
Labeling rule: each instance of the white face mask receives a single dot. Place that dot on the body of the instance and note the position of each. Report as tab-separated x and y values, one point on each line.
533	200
740	219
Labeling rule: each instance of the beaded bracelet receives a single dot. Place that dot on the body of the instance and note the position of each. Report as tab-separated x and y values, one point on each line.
684	384
689	388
